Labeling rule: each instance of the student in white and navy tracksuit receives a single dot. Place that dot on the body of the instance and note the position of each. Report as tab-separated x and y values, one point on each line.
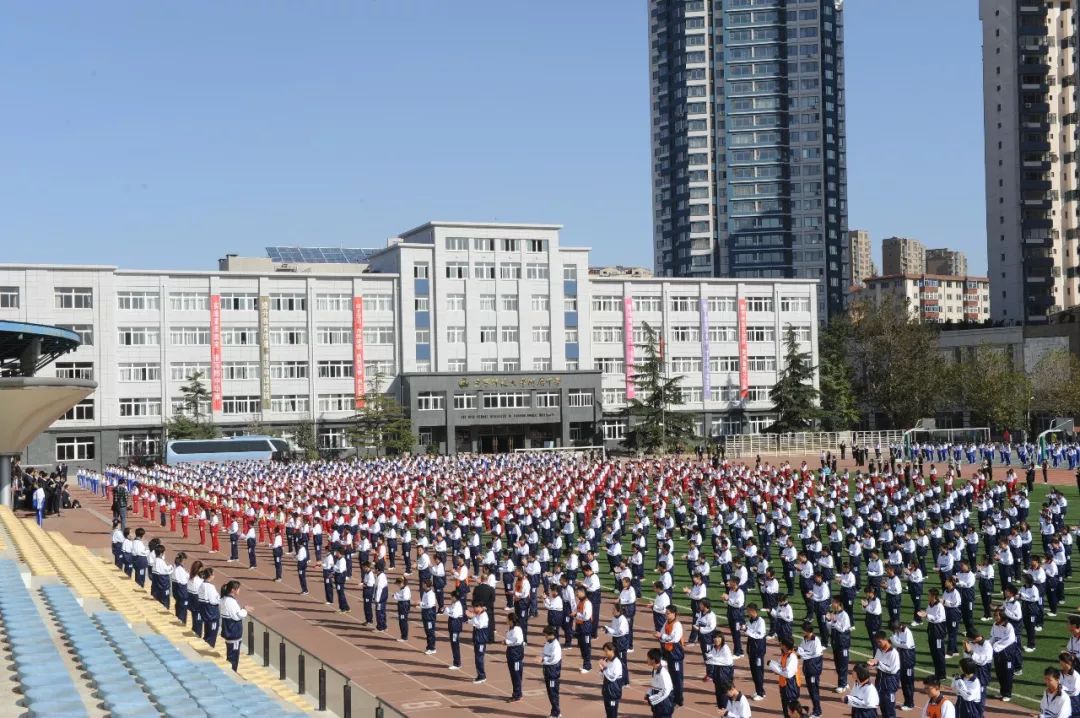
619	628
403	598
328	578
117	544
301	567
660	695
429	609
127	553
515	655
969	691
455	622
340	570
161	576
551	663
381	594
887	661
1006	652
180	578
232	622
234	541
278	552
863	697
210	603
479	619
251	541
193	586
142	557
613	671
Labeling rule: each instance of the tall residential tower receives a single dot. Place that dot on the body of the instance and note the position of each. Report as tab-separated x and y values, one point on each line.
749	169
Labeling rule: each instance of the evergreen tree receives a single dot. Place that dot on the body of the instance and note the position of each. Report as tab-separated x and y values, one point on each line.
838	404
304	441
191	422
794	396
653	426
382	423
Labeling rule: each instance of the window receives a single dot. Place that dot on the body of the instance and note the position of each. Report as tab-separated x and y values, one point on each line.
536	271
610	365
464	401
328	336
290	336
240	404
572	365
484	270
422	304
9	297
74	370
143	406
381	367
570	336
683	304
142	301
239	336
489	365
724	364
686	365
510	271
510	302
140	445
455	335
333	437
457	244
85	332
541	335
335	369
189	301
430	401
420	270
607	334
189	336
541	303
723	334
613	430
613	397
579	398
240	370
423	336
288	302
546	399
457	270
690	395
508	245
455	302
510	334
686	333
83	411
336	303
180	371
336	402
74	448
289	370
239	302
508	400
289	403
795	304
181	408
487	302
536	245
540	364
759	304
760	333
569	272
457	365
802	334
511	365
648	304
378	335
488	335
762	363
140	371
607	303
378	303
484	244
758	393
141	336
74	297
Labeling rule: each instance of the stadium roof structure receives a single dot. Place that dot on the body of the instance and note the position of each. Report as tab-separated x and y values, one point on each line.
25	348
320	255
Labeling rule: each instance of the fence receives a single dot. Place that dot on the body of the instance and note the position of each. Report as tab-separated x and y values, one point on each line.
310	675
807	442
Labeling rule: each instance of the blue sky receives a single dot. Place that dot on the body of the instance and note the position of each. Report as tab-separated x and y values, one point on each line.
163	135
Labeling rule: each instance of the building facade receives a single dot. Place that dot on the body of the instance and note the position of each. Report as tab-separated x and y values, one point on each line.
862	267
493	337
946	261
1030	125
749	170
934	298
902	255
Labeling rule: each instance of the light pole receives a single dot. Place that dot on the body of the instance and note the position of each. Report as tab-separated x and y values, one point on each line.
1027	429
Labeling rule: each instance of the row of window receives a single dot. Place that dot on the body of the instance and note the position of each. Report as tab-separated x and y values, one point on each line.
487	270
436	401
150	300
613	334
279	403
506	302
487	244
614	303
239	336
181	371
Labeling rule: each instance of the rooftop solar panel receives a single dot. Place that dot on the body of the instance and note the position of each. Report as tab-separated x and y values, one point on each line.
320	255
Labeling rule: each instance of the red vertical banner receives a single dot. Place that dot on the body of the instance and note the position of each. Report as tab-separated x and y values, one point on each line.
215	352
628	344
744	359
358	350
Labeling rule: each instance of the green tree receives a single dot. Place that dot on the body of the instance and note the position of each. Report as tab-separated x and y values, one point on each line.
838	403
898	370
652	426
191	422
304	440
986	384
794	396
1055	384
382	423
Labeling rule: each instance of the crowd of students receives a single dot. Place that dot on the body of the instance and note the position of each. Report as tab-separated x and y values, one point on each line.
572	539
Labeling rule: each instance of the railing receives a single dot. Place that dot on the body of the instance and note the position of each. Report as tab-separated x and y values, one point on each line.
310	675
807	442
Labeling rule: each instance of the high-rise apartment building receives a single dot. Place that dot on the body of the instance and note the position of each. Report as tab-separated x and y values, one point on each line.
946	261
902	255
748	148
1029	114
859	252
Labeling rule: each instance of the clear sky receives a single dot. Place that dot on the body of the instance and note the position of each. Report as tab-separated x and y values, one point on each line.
163	135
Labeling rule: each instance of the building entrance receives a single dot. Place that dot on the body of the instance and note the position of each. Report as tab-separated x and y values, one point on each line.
494	439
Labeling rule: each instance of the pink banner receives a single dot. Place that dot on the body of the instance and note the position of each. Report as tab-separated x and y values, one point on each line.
744	359
628	344
358	350
215	352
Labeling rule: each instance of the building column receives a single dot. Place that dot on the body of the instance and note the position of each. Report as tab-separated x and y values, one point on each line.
451	427
564	418
5	481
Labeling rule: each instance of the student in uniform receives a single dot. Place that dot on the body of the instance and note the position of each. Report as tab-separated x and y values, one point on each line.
1070	680
340	570
301	567
210	604
515	655
863	697
428	611
380	595
719	666
755	631
278	552
583	620
232	622
161	571
193	586
250	538
234	540
1006	651
787	669
403	597
613	671
937	705
127	553
551	663
735	703
840	626
328	578
628	600
1055	703
619	629
968	688
936	632
811	652
455	615
117	544
671	645
904	643
367	583
141	554
659	696
180	578
478	617
887	661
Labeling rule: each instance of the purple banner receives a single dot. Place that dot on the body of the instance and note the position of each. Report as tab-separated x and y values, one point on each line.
706	375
